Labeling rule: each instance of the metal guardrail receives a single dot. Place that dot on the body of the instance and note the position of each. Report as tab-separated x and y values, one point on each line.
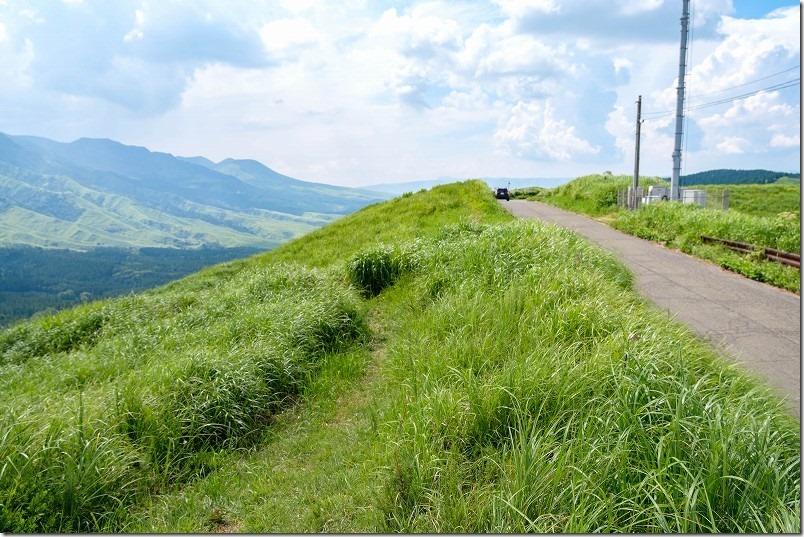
785	258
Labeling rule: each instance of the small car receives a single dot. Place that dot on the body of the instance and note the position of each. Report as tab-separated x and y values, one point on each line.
502	194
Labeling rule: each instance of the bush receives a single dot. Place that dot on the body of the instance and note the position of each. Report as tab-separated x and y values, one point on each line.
373	270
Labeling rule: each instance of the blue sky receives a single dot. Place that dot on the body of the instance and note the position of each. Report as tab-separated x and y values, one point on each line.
752	9
358	92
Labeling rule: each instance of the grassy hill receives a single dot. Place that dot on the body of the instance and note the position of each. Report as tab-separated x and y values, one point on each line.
725	177
427	364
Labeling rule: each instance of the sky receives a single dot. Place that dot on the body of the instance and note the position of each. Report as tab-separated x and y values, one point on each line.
362	92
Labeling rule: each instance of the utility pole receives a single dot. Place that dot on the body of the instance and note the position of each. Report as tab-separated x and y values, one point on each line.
636	152
634	198
685	19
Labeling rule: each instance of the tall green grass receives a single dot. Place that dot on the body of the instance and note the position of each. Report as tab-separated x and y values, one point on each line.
763	215
511	381
534	397
105	404
594	194
760	200
681	226
402	218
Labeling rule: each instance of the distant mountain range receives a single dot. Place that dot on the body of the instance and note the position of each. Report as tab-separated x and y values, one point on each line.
98	192
493	182
708	177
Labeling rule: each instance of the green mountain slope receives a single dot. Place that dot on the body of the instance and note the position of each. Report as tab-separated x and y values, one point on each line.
427	364
92	193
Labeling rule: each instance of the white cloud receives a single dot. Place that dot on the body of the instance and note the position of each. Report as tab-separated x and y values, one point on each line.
532	131
753	55
781	140
359	92
520	8
629	7
750	49
136	32
284	35
733	145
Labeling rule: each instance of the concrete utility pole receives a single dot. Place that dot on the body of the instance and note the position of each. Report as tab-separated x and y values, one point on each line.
636	152
682	65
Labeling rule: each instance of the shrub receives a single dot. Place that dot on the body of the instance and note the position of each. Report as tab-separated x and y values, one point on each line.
373	270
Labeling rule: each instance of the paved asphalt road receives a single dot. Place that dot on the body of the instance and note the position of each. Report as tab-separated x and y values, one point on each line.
754	324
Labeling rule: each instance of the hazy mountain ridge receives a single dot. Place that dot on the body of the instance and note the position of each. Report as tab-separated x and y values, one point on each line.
98	192
492	182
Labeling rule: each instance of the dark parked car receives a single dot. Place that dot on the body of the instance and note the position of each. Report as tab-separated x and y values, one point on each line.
502	194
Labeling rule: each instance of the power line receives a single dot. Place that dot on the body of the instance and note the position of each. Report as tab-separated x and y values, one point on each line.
783	85
749	82
774	87
669	112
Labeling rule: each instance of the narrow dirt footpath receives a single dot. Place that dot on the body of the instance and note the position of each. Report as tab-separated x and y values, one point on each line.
754	324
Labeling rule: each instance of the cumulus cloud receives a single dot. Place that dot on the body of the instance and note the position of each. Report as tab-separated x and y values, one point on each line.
532	131
358	92
137	55
782	140
753	55
283	36
733	145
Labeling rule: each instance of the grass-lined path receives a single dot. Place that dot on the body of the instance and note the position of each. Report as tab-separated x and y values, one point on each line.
756	324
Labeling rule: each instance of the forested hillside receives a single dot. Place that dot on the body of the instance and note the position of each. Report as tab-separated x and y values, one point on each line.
736	177
37	280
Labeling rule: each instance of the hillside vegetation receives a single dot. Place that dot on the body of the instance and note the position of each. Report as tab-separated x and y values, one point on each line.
34	280
428	364
734	177
100	193
766	216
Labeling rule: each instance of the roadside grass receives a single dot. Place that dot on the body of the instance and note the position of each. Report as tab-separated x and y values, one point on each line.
595	194
762	215
681	225
454	372
530	396
508	391
760	200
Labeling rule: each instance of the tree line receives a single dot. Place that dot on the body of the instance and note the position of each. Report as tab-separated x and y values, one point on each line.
36	279
736	177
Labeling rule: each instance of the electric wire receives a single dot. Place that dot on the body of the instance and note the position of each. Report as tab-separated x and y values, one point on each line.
780	86
749	82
